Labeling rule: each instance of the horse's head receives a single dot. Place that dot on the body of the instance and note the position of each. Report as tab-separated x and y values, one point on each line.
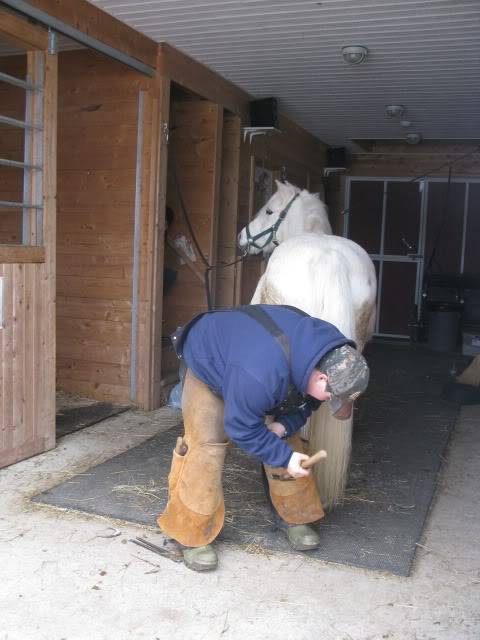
289	212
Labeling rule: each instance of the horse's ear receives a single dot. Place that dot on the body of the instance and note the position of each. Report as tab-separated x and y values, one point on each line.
280	185
316	195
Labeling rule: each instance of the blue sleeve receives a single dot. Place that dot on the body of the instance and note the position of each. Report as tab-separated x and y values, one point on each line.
295	420
246	404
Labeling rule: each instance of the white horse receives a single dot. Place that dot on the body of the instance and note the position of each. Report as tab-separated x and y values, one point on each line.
327	276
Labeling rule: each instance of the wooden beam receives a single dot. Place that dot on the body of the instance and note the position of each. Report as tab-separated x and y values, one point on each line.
216	179
21	254
98	24
22	33
198	78
149	338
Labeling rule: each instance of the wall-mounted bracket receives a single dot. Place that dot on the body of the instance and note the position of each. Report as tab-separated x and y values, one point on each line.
328	171
251	132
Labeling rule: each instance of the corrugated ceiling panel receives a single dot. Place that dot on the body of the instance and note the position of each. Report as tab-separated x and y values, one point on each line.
423	53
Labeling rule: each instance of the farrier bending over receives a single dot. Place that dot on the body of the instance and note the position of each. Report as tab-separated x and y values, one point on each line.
245	364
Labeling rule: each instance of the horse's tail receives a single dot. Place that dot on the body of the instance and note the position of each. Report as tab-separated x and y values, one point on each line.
327	296
335	436
334	303
333	296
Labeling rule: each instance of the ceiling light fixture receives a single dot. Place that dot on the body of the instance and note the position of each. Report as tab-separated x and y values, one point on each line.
413	138
405	123
394	110
354	54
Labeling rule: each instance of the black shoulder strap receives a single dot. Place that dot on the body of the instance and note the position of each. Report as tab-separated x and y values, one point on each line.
258	314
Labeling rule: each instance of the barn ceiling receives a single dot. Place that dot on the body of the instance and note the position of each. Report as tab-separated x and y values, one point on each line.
424	54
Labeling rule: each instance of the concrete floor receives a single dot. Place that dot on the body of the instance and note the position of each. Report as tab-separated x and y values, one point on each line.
63	577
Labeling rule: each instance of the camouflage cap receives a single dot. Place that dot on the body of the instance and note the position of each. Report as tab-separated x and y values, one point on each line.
347	372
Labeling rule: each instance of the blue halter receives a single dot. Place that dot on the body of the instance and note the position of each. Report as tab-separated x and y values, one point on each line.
271	231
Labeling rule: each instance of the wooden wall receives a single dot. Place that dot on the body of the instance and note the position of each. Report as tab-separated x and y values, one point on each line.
97	142
295	151
410	160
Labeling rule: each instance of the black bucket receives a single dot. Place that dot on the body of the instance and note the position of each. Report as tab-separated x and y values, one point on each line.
443	328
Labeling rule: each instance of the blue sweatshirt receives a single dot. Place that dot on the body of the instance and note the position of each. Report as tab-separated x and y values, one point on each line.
240	361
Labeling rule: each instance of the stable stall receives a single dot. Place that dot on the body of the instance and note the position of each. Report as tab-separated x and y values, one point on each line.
132	233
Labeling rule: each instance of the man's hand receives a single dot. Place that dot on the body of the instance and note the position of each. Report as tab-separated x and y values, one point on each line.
277	428
294	468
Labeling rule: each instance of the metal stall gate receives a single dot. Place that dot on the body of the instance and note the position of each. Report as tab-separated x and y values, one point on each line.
412	228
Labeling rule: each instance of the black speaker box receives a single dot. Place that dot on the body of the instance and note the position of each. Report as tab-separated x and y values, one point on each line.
336	157
264	113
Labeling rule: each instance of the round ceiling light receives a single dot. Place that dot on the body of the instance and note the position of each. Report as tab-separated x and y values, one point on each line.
413	138
354	54
394	110
405	123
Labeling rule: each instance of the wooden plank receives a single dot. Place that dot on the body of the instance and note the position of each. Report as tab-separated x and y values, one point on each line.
8	424
18	357
196	77
149	339
227	246
101	289
97	390
91	309
21	254
26	450
95	350
22	33
45	427
215	198
3	430
98	24
90	371
28	374
413	164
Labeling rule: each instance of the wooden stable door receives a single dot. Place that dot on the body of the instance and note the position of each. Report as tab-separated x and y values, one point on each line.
28	90
384	217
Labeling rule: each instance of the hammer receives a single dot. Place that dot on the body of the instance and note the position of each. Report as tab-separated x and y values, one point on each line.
305	464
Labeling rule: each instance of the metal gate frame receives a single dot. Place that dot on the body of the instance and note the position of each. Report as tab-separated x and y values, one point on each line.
419	257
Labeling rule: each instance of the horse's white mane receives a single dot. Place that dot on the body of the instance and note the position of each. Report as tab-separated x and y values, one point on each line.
314	210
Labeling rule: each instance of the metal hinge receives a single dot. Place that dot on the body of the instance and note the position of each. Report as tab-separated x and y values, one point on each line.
166	132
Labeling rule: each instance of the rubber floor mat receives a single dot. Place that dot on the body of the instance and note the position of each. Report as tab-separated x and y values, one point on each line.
401	430
76	418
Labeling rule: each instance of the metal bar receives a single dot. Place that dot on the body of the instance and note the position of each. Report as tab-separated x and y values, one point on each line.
78	36
19	205
24	84
464	230
37	149
18	123
27	156
136	246
20	165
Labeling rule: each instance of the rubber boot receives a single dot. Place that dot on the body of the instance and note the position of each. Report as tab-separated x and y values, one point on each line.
301	537
200	558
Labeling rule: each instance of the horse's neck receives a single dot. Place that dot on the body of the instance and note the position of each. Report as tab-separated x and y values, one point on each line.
318	224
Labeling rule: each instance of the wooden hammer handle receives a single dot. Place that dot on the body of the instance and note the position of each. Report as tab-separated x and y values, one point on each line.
306	464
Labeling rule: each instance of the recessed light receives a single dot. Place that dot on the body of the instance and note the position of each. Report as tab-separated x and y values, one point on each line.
354	53
394	110
413	138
